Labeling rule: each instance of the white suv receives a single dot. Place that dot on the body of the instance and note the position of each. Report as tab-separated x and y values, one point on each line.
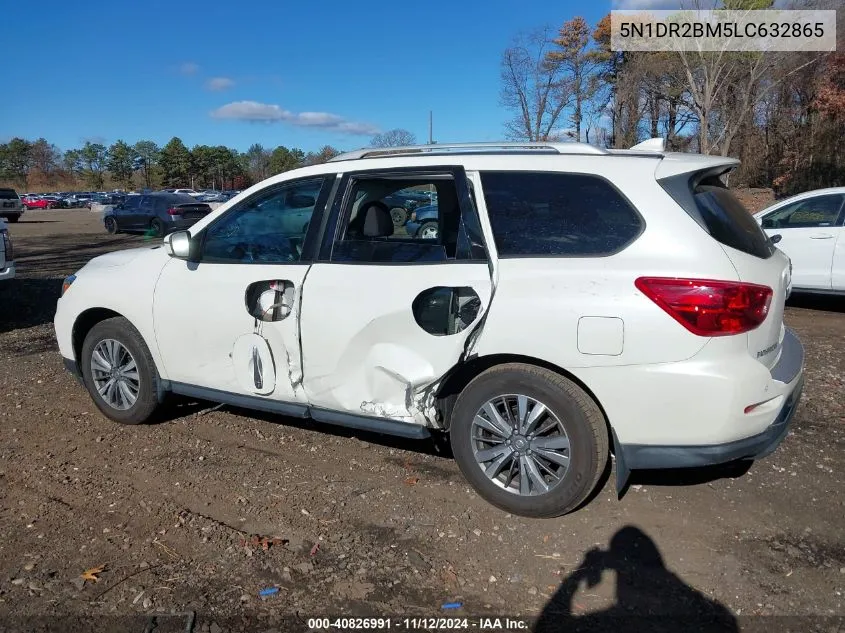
7	255
575	302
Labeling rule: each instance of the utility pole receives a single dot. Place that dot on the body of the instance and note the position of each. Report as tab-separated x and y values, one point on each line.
430	128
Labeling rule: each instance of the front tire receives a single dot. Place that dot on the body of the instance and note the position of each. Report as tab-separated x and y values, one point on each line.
429	231
111	225
119	372
529	440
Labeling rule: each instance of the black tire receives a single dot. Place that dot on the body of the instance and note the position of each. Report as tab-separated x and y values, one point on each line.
111	225
156	228
122	331
399	215
426	226
580	415
13	218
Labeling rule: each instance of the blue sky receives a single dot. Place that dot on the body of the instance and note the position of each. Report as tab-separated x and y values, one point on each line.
101	71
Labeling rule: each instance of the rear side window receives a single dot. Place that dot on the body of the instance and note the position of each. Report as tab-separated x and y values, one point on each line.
8	194
557	214
720	213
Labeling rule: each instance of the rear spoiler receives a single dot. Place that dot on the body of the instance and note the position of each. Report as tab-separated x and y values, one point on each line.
677	164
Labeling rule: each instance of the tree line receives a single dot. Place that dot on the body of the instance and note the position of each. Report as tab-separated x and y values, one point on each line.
25	164
782	114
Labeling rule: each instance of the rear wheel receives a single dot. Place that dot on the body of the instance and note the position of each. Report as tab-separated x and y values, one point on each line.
119	371
529	440
111	225
14	218
156	228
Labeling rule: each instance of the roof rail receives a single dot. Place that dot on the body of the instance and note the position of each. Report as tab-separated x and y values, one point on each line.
470	148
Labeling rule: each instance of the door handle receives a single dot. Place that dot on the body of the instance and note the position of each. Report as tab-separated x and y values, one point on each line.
823	236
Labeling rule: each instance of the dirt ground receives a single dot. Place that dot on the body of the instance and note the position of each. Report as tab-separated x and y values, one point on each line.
365	525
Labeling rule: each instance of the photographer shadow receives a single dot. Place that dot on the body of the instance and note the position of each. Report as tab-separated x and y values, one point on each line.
649	597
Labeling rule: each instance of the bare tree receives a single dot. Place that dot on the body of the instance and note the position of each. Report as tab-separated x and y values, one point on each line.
393	138
532	88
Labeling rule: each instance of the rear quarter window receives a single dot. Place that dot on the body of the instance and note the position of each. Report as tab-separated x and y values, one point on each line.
557	214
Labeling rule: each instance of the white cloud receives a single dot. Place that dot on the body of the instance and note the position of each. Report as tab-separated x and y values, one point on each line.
270	113
219	84
189	68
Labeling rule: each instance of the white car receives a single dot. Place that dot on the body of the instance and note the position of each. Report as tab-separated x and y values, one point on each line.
7	254
812	235
576	302
188	192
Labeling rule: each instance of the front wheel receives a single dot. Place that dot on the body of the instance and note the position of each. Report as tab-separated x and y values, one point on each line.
429	231
119	371
111	225
529	440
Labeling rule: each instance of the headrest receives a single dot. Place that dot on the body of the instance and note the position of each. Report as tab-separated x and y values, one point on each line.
377	220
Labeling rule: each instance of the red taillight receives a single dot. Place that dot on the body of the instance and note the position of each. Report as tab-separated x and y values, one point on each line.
707	307
174	211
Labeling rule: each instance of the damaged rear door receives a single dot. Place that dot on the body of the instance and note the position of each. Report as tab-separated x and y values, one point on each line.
227	319
388	308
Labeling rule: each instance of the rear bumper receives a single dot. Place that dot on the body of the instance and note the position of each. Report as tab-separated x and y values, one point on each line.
789	372
8	272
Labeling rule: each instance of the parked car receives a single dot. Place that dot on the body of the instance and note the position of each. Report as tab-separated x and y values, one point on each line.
623	299
424	222
402	203
11	207
154	213
7	254
214	196
187	192
811	233
55	201
38	202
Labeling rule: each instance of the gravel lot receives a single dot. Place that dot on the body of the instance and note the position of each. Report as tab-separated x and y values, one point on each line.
369	525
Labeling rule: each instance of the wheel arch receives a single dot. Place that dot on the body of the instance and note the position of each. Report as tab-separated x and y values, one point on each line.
83	324
461	375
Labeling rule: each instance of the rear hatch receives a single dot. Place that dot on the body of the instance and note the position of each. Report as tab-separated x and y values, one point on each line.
192	211
9	200
703	195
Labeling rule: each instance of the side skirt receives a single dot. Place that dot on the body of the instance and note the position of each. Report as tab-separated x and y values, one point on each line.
384	426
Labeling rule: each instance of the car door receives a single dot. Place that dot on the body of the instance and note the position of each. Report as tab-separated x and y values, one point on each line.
146	212
385	316
228	319
809	229
126	214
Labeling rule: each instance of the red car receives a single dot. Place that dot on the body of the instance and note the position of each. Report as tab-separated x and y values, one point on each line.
38	203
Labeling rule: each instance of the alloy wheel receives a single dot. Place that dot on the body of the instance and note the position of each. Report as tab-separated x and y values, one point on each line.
115	374
520	445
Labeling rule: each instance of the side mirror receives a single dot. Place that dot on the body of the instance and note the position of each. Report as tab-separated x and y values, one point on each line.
178	244
776	238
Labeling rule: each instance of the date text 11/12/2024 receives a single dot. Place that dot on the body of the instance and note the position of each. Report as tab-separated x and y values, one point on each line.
418	624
